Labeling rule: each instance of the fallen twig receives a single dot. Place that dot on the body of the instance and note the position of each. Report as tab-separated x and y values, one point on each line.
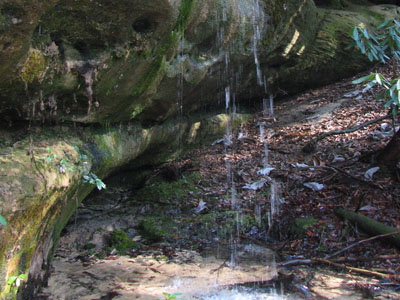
359	259
352	269
297	262
309	147
361	242
317	260
220	267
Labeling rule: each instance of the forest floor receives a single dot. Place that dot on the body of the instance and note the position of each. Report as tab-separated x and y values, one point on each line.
226	199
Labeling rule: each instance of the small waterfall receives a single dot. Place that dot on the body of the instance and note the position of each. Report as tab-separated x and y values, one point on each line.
228	83
179	102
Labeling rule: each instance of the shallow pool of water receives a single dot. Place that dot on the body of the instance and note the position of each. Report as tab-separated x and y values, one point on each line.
243	294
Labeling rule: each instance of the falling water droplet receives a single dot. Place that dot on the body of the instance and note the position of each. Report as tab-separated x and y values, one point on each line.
271	104
227	97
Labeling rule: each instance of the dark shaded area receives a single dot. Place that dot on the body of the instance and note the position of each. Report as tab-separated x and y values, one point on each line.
142	25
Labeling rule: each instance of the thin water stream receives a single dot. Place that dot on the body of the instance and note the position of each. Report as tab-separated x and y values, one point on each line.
220	272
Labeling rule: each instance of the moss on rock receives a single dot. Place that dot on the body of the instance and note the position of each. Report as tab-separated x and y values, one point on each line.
157	228
120	240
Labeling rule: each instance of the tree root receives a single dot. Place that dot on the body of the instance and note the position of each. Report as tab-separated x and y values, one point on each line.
370	226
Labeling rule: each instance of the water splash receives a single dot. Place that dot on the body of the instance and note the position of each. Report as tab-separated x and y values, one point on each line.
242	293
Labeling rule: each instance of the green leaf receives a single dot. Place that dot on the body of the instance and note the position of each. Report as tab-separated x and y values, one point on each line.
384	24
3	221
355	34
389	103
363	79
11	280
378	78
365	32
369	85
22	276
381	95
395	110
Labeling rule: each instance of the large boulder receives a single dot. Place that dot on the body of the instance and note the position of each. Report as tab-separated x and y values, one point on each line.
110	61
112	74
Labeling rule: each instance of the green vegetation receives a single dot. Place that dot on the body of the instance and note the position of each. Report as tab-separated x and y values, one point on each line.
14	282
157	228
120	241
301	225
64	165
87	175
165	192
381	45
173	296
34	67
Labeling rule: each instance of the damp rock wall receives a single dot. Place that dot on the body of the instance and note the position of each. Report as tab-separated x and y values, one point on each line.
109	61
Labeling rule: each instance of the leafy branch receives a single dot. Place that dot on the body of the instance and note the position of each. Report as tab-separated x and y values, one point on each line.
382	45
82	165
87	175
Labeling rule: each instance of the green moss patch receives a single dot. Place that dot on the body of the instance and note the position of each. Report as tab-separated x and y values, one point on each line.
161	191
34	67
120	240
301	225
156	228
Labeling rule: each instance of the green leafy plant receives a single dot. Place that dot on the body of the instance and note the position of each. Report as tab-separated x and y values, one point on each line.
14	282
50	157
87	175
173	296
63	166
382	45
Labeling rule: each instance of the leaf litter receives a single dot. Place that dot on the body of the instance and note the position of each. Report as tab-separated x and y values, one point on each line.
233	170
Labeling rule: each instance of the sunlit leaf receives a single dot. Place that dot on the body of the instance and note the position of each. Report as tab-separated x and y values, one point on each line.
378	78
11	280
363	79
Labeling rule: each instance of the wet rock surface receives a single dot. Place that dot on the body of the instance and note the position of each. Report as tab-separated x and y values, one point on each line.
100	61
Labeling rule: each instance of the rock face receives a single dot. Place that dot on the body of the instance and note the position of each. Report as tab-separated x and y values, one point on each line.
106	61
139	63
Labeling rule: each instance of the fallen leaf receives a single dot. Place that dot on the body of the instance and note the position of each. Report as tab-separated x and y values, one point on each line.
370	173
315	186
265	171
202	206
256	185
368	208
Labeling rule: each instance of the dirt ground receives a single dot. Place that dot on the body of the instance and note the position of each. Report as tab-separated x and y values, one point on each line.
278	200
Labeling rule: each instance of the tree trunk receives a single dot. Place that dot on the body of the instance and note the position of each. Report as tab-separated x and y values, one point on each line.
390	155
